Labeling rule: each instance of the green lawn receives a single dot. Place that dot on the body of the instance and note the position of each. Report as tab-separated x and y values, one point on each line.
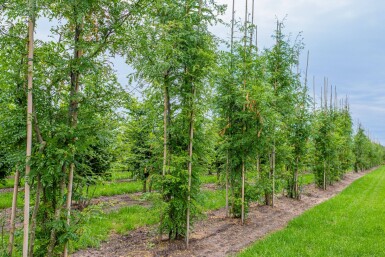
350	224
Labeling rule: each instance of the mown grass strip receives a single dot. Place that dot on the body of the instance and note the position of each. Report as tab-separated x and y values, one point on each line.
350	224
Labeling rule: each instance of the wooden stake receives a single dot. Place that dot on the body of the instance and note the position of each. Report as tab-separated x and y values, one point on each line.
244	109
13	212
307	67
31	25
227	185
314	100
252	22
165	126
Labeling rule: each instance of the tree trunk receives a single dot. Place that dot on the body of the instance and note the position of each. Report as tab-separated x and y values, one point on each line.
31	25
273	190
13	212
75	87
144	190
324	180
190	154
58	209
34	217
165	118
243	193
227	185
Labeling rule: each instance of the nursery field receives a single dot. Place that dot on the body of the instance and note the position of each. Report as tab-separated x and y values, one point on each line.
132	128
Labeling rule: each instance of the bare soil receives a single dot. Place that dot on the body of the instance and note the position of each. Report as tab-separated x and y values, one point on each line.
217	235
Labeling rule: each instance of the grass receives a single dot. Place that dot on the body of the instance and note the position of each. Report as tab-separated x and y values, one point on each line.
350	224
213	200
7	183
6	200
117	175
307	179
98	227
208	179
114	188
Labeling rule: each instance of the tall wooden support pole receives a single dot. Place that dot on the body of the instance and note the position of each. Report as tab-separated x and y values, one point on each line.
190	146
307	67
165	129
13	213
229	121
314	100
31	25
244	109
252	22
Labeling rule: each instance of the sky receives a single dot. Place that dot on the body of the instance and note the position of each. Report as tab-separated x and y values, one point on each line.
346	40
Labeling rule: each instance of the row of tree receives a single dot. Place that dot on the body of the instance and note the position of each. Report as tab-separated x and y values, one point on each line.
241	112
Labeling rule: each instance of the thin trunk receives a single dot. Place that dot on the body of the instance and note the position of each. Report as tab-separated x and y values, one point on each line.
74	104
227	184
145	181
31	24
39	185
243	193
228	118
256	38
13	212
165	111
321	104
296	187
190	148
314	101
252	23
331	98
273	175
307	67
258	167
58	209
34	216
244	125
324	180
232	34
69	202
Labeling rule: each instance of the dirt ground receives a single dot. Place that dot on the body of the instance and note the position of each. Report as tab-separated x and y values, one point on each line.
217	235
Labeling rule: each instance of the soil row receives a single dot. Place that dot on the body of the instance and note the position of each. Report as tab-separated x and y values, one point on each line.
217	235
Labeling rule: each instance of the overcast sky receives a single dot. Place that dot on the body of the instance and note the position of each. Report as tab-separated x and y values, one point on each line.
346	40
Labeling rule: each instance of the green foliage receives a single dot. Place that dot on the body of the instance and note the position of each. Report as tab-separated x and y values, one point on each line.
367	154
